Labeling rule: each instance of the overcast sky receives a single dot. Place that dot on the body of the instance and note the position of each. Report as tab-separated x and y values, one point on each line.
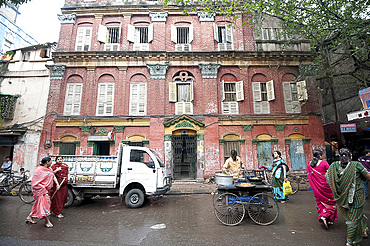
39	19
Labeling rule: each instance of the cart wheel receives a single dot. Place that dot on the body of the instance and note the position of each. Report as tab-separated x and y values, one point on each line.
229	209
263	209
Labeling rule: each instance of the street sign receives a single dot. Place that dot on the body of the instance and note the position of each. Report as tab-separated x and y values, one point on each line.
348	128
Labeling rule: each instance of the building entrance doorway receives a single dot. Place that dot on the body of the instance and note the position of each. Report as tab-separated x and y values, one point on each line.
184	149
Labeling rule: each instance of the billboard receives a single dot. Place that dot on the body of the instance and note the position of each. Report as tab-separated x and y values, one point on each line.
365	97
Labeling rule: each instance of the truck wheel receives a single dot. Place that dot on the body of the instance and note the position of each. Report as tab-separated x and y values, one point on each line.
134	198
70	199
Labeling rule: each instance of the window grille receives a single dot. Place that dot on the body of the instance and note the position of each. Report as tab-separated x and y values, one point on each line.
113	35
182	35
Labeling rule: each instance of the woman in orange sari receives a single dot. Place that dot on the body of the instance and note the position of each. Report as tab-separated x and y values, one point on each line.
42	181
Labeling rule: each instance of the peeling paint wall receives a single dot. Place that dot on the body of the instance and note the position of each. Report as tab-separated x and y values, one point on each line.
25	152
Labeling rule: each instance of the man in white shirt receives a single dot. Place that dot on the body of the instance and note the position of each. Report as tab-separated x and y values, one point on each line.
7	165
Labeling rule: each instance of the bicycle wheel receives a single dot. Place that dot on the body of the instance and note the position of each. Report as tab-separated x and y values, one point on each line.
295	185
229	209
263	209
25	193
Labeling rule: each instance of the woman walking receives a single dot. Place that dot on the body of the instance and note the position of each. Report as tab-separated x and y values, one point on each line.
59	196
344	179
42	181
279	171
326	205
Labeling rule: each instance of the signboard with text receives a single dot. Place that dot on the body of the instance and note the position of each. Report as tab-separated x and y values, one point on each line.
365	97
348	128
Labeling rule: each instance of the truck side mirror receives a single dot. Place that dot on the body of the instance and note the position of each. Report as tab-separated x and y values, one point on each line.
151	164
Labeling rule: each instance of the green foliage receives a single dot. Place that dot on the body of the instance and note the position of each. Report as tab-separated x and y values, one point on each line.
4	3
7	105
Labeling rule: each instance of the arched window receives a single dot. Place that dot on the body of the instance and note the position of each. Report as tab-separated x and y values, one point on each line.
181	92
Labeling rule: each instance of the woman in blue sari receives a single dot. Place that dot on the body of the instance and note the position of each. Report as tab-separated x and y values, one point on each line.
279	172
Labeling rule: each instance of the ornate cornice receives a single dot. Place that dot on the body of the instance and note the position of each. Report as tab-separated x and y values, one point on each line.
157	71
158	16
205	16
56	71
67	19
209	70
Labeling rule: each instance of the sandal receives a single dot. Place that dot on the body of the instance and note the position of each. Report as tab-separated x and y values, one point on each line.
49	225
30	221
364	234
60	216
323	219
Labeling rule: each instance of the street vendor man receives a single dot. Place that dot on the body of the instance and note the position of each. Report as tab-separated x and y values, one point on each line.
234	164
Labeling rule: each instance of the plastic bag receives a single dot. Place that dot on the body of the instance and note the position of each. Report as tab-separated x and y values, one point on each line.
287	188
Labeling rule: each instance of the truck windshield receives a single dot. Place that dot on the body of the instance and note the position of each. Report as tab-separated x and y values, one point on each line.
161	164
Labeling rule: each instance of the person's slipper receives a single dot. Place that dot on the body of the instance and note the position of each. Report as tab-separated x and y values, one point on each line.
49	226
364	234
323	219
28	221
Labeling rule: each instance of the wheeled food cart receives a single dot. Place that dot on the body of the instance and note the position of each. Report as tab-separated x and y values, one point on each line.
247	195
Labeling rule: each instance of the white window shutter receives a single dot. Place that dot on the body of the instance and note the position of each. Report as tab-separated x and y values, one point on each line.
233	107
287	97
239	91
270	90
188	108
131	33
302	91
172	93
119	34
150	33
256	88
179	108
87	41
222	91
229	33
133	99
173	33
215	32
191	91
72	104
191	33
142	99
80	38
265	106
257	106
225	107
102	33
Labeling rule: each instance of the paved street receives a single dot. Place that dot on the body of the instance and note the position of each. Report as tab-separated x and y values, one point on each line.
188	220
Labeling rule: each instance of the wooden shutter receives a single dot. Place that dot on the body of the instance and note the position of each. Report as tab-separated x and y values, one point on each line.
87	42
270	90
179	108
287	97
173	33
172	89
77	99
101	99
150	33
265	106
191	33
215	32
134	94
191	91
131	33
222	91
229	33
109	99
188	106
256	89
239	91
142	99
257	106
80	38
102	33
302	91
73	96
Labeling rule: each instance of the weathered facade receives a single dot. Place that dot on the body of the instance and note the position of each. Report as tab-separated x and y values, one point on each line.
191	87
24	90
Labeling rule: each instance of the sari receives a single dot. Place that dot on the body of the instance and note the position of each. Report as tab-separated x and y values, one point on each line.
59	197
325	202
348	192
277	180
42	181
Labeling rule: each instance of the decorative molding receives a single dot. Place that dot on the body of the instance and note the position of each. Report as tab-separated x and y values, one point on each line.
158	16
157	71
184	124
126	142
57	143
209	70
77	143
102	131
247	127
119	128
296	128
146	141
67	19
112	143
205	16
306	140
85	128
200	137
254	140
279	127
288	141
56	71
221	141
274	140
90	143
167	137
241	141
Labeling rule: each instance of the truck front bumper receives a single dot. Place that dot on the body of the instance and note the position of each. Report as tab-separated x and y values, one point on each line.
165	188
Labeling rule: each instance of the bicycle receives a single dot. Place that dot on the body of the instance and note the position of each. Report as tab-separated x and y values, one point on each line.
9	181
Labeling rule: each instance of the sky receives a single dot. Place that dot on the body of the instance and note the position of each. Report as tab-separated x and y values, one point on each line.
39	19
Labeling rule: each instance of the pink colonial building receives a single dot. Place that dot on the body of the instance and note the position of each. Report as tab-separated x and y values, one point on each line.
191	87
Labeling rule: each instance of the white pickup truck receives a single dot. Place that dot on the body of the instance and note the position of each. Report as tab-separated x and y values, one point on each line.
135	173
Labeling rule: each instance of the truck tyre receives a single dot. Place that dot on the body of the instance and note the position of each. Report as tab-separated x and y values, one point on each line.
70	199
134	198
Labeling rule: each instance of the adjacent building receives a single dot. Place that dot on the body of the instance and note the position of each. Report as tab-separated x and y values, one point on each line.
191	87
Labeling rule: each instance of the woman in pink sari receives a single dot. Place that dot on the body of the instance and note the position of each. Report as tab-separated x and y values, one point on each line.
42	181
326	205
